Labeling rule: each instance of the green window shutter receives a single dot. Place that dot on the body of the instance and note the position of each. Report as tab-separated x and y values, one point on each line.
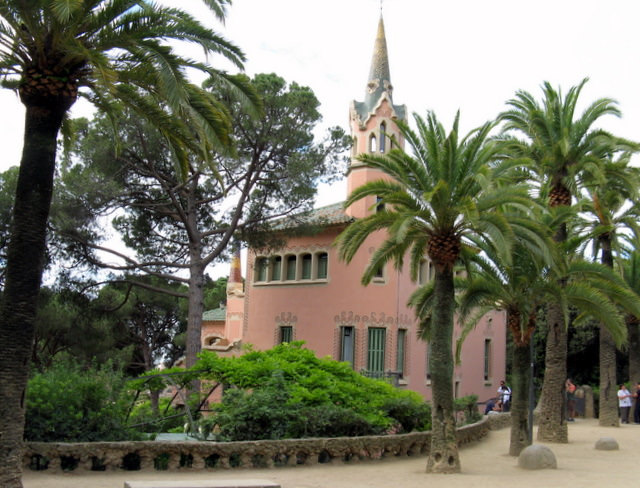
375	350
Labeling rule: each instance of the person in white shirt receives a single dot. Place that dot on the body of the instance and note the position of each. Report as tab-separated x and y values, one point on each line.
624	402
504	396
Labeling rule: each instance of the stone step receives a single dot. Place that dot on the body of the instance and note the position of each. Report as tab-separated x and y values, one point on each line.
248	483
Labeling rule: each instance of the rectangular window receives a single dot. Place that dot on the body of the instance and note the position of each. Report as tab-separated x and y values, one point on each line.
323	265
379	204
487	359
276	273
347	344
291	268
286	334
306	267
375	350
401	351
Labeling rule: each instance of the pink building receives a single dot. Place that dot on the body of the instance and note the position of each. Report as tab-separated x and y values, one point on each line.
303	292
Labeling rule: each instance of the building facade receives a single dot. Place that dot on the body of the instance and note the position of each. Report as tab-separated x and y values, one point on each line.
304	292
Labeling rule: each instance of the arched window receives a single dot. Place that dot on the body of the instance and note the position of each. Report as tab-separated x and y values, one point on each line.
276	272
383	136
323	266
306	266
372	143
262	266
291	267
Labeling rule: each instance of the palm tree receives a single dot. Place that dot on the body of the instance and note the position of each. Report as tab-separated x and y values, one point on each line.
521	288
606	217
440	203
560	146
518	286
110	52
631	274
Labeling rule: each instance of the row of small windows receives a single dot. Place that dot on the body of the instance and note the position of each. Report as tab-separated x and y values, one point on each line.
292	267
377	142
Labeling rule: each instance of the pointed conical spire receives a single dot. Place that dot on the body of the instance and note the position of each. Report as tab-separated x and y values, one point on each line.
379	74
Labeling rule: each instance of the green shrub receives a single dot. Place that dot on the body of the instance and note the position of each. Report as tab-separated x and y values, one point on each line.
408	413
287	392
69	404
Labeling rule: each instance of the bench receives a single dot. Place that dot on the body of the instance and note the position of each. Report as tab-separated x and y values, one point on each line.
249	483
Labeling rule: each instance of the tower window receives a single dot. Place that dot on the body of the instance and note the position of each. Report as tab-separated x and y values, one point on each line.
372	143
383	137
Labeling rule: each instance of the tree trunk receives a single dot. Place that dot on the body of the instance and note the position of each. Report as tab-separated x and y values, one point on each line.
552	425
608	411
25	260
443	457
520	399
196	305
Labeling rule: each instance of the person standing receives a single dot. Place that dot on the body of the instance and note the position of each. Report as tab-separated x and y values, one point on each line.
636	410
570	394
624	402
504	396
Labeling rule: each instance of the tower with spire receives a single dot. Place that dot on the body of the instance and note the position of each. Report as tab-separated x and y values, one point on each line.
372	122
301	290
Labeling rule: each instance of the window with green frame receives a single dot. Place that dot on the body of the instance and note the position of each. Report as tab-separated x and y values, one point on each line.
401	351
323	266
291	267
376	349
262	268
347	344
286	334
276	273
307	260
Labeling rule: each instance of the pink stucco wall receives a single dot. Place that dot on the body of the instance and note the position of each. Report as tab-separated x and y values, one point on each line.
317	310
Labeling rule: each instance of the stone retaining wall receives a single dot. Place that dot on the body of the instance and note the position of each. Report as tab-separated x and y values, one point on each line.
195	455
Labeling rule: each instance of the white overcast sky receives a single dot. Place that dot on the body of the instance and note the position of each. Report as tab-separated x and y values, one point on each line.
444	55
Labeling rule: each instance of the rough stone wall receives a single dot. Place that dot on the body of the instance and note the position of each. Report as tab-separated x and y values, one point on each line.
194	455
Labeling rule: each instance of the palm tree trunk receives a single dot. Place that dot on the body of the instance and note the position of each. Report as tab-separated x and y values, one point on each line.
443	456
608	412
520	399
552	425
25	261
